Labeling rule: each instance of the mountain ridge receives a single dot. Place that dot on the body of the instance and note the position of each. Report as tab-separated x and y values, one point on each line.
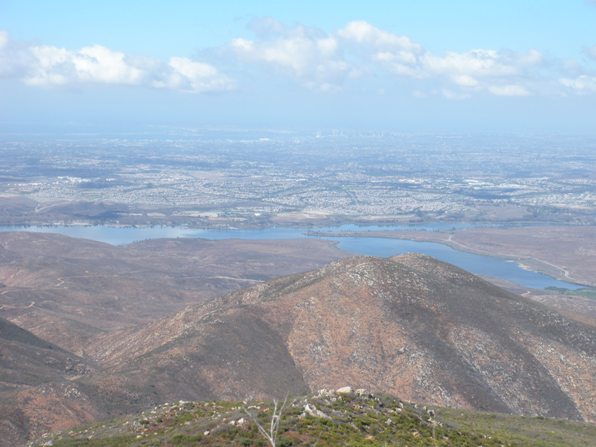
410	326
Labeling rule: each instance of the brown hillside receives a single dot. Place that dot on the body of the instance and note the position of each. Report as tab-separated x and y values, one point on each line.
410	326
68	290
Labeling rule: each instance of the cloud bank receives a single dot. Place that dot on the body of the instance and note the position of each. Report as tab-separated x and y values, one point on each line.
46	65
316	59
326	61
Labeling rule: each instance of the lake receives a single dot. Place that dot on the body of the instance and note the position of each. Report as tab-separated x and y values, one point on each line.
371	246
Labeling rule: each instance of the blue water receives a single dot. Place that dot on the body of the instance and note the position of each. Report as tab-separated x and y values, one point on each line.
126	235
477	264
371	246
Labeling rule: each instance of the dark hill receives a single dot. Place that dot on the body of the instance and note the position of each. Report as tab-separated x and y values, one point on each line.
38	388
28	360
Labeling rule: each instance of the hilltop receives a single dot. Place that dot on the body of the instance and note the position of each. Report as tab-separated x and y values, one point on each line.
327	418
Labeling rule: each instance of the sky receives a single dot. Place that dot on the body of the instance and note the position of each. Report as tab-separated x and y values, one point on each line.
507	66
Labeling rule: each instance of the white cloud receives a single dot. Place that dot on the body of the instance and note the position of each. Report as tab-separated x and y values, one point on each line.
326	61
582	84
187	75
461	73
471	63
100	64
398	53
46	65
309	55
314	58
364	33
401	63
495	72
94	64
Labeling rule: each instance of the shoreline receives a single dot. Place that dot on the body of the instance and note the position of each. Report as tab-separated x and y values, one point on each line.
415	233
562	274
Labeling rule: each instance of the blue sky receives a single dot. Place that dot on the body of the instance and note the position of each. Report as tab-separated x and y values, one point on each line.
423	66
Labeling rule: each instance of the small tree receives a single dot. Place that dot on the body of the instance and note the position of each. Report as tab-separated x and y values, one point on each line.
271	434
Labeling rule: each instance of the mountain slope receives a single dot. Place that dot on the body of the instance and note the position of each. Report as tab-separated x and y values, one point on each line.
410	326
68	290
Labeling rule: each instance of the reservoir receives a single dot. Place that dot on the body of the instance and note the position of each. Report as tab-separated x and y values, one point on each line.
370	246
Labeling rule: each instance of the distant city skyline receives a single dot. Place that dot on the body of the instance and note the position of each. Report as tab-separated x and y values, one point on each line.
425	66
